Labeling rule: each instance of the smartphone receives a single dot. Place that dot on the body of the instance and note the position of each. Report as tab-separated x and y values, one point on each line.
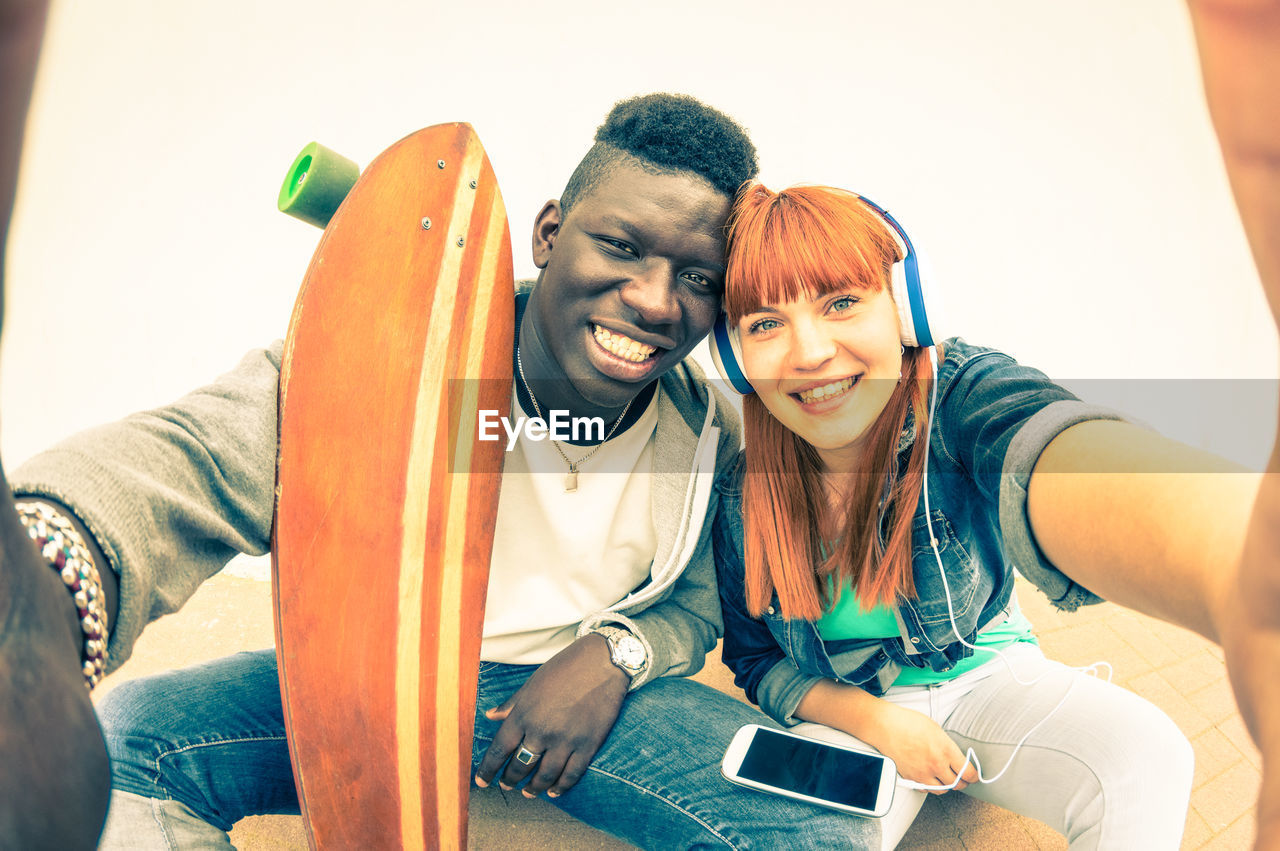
834	776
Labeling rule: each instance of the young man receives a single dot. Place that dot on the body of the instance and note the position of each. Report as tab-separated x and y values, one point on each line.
601	587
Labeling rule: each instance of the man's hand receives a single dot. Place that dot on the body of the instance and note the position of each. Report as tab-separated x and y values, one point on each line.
563	712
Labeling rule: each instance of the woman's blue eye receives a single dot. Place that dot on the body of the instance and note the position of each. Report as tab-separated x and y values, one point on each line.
843	303
762	325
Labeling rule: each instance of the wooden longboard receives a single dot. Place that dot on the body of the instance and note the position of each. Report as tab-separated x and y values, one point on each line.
386	501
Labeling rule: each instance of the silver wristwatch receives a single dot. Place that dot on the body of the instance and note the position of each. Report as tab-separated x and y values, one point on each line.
625	650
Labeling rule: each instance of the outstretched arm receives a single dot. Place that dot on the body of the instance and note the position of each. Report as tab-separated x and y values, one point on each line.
1154	525
21	31
53	763
1159	527
1239	44
1143	521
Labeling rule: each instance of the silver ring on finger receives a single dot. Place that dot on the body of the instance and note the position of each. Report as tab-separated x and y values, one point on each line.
524	756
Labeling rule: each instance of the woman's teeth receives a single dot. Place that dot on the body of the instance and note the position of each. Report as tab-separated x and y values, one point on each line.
826	391
623	347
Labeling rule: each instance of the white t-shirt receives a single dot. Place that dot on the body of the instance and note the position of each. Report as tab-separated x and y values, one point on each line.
559	556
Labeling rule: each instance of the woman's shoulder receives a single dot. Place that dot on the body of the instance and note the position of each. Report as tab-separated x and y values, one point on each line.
959	353
964	363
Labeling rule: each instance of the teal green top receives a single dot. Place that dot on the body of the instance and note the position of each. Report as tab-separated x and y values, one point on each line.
846	620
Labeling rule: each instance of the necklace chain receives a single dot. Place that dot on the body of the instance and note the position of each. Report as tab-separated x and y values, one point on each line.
571	478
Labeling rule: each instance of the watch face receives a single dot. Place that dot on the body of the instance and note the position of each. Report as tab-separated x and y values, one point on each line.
630	652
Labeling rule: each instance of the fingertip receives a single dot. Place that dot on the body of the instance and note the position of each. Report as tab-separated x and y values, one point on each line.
527	793
552	793
481	782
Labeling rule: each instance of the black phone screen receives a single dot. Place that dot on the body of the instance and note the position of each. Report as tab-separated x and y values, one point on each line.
813	769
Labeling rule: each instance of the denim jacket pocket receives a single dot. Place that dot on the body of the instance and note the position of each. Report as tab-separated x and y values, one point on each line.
800	641
961	577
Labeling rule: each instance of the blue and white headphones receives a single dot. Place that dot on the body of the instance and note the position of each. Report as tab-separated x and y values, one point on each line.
918	323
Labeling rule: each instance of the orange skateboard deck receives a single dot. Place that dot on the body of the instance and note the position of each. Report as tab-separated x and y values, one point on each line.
402	332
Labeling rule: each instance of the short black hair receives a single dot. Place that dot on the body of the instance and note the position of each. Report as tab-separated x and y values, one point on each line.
666	133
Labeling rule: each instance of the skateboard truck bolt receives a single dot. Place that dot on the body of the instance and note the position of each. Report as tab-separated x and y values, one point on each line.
460	241
473	184
439	163
426	223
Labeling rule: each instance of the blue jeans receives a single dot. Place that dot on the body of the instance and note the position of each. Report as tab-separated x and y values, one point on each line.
195	750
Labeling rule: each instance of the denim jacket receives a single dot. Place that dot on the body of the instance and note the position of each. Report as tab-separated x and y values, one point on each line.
994	417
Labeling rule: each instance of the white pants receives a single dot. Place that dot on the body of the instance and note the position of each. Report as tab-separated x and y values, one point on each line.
1107	770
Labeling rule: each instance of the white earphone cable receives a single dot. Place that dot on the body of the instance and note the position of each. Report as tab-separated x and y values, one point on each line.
970	756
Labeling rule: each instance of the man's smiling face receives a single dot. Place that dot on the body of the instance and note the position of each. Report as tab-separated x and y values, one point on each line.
631	282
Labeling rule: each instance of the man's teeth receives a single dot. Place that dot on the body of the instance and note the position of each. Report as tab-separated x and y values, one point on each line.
826	391
623	347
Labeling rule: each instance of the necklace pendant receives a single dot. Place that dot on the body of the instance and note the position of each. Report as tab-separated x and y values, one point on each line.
571	479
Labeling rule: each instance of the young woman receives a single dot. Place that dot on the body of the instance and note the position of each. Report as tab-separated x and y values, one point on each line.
867	543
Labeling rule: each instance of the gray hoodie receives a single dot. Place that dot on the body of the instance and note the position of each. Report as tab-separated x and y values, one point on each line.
172	494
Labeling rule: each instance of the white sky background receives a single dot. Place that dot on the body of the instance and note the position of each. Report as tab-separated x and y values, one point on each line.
1054	159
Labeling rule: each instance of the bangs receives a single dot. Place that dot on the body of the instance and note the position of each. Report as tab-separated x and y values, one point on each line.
802	241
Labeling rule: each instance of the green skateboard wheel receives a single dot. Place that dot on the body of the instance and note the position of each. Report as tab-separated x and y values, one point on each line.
316	183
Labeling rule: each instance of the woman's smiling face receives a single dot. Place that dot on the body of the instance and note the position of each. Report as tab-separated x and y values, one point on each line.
825	365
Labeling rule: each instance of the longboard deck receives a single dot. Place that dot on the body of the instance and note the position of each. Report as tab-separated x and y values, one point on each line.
385	500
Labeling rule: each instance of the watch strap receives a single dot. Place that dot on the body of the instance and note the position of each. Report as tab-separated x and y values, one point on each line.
616	635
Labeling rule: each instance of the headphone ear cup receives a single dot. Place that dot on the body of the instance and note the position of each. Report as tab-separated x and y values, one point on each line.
726	354
902	300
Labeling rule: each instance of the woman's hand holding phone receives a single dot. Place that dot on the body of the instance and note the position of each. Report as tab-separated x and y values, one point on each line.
923	752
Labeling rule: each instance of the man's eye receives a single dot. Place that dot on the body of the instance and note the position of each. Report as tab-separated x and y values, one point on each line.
619	245
699	280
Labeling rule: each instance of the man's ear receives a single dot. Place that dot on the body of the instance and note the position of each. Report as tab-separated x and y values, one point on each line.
546	227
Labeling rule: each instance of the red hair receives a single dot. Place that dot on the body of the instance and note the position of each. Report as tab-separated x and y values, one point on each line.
814	240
